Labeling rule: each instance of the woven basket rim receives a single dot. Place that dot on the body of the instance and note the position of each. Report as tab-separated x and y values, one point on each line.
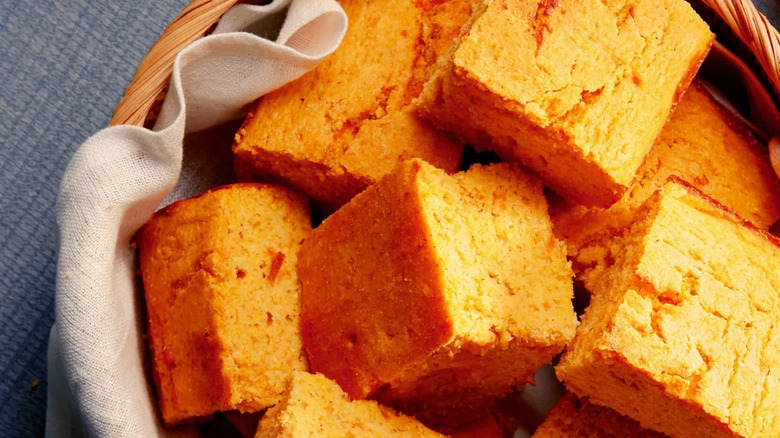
150	82
757	34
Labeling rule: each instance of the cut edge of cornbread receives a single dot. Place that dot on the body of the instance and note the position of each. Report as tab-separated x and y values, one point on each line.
632	354
702	143
307	176
351	120
207	353
476	219
314	405
573	416
483	222
414	322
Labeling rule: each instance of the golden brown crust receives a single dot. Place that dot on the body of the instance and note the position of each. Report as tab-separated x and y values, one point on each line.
577	91
725	210
348	122
315	406
205	261
681	330
204	380
702	144
573	416
413	291
355	349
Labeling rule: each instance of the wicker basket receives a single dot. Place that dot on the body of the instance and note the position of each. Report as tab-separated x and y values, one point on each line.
753	29
142	100
146	91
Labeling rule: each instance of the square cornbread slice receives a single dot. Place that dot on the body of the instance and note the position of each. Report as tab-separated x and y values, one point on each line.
683	330
315	406
223	298
577	417
436	293
348	122
577	90
703	144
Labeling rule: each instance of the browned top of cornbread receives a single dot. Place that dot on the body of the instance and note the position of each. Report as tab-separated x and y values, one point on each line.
491	234
221	295
315	406
577	417
689	300
601	75
702	143
352	114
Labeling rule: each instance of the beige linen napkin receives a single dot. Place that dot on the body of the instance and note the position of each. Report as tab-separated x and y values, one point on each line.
115	181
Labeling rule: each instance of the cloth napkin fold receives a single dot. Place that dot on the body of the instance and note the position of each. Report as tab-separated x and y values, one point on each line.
98	382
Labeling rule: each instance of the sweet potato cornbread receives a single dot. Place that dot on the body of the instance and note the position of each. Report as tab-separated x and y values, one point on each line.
436	293
683	331
703	144
315	406
577	90
222	298
348	122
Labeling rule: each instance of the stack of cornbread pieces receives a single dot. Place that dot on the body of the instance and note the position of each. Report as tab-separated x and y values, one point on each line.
432	286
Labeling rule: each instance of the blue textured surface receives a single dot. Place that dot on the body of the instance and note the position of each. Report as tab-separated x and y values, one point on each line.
63	67
770	8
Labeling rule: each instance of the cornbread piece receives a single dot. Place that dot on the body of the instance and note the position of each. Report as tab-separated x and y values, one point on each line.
683	331
702	143
342	126
577	90
577	417
436	293
315	406
223	298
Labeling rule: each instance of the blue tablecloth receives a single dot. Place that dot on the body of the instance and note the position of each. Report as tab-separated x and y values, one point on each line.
63	67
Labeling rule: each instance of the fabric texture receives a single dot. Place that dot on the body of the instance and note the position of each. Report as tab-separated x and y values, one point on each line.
63	67
115	181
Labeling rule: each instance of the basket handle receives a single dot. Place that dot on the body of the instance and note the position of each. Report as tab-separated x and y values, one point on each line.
755	31
153	74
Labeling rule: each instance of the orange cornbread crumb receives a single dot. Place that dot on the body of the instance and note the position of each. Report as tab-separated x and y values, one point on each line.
577	417
436	292
683	330
702	144
347	123
577	90
315	406
222	298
